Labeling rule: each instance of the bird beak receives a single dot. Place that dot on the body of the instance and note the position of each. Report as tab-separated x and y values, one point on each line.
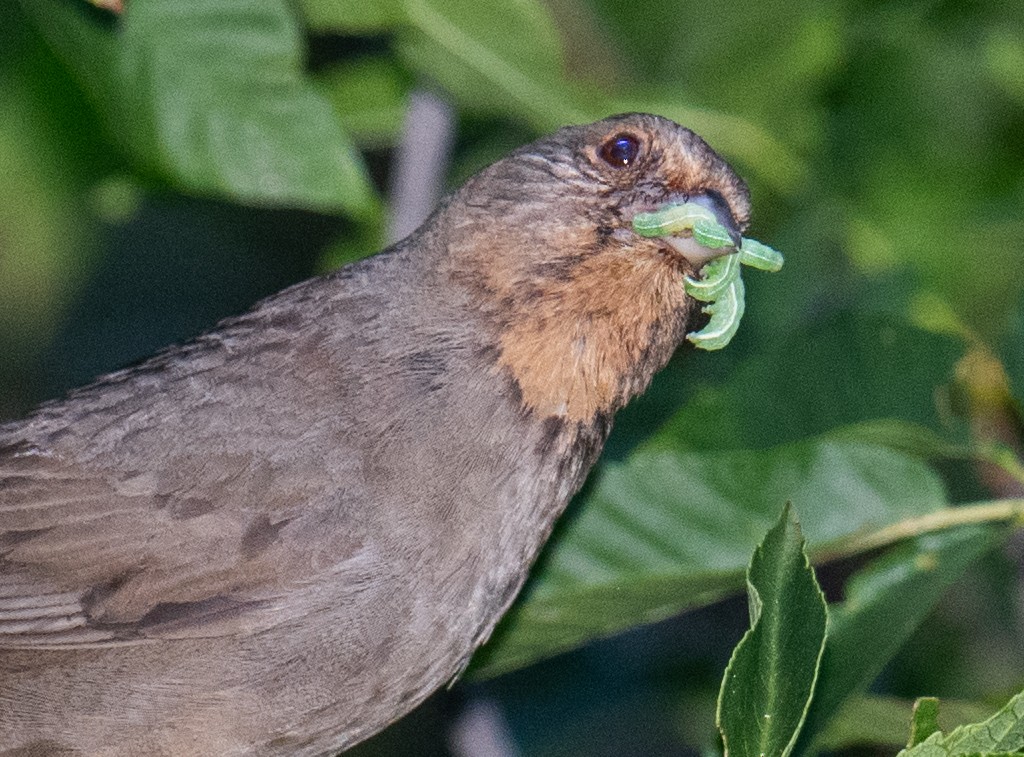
683	241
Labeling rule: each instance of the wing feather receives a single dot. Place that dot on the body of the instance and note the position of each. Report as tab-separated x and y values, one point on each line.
87	560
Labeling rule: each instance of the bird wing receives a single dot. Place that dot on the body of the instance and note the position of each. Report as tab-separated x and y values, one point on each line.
94	558
192	495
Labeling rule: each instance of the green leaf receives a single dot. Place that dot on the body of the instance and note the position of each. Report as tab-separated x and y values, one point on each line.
232	109
885	602
770	679
842	370
924	721
490	66
665	530
213	98
1001	733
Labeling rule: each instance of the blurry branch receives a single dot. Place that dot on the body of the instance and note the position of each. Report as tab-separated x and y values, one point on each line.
420	163
481	731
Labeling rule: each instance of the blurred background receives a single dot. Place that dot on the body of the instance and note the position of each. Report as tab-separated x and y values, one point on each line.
883	143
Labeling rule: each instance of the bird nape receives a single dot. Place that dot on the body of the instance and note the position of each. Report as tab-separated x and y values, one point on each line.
282	536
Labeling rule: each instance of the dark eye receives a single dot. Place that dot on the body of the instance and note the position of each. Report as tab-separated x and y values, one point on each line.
620	151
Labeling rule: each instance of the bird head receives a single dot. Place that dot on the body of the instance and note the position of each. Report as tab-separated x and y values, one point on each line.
587	309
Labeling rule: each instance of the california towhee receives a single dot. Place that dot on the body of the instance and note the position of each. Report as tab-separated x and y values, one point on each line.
282	536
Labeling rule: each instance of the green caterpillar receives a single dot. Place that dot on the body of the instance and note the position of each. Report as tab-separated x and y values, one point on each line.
720	284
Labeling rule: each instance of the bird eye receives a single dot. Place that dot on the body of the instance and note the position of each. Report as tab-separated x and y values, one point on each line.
620	151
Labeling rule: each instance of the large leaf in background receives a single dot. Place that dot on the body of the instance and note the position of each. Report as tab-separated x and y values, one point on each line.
213	98
845	369
233	113
885	602
489	63
770	679
665	530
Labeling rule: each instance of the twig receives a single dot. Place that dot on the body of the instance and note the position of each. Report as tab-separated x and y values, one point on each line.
986	512
420	163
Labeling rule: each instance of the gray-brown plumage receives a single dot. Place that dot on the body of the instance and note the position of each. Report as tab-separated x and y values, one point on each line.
282	536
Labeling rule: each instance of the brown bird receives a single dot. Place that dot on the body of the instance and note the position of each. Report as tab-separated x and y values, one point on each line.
282	536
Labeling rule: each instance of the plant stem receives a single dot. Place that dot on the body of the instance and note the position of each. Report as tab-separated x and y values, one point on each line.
1009	510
